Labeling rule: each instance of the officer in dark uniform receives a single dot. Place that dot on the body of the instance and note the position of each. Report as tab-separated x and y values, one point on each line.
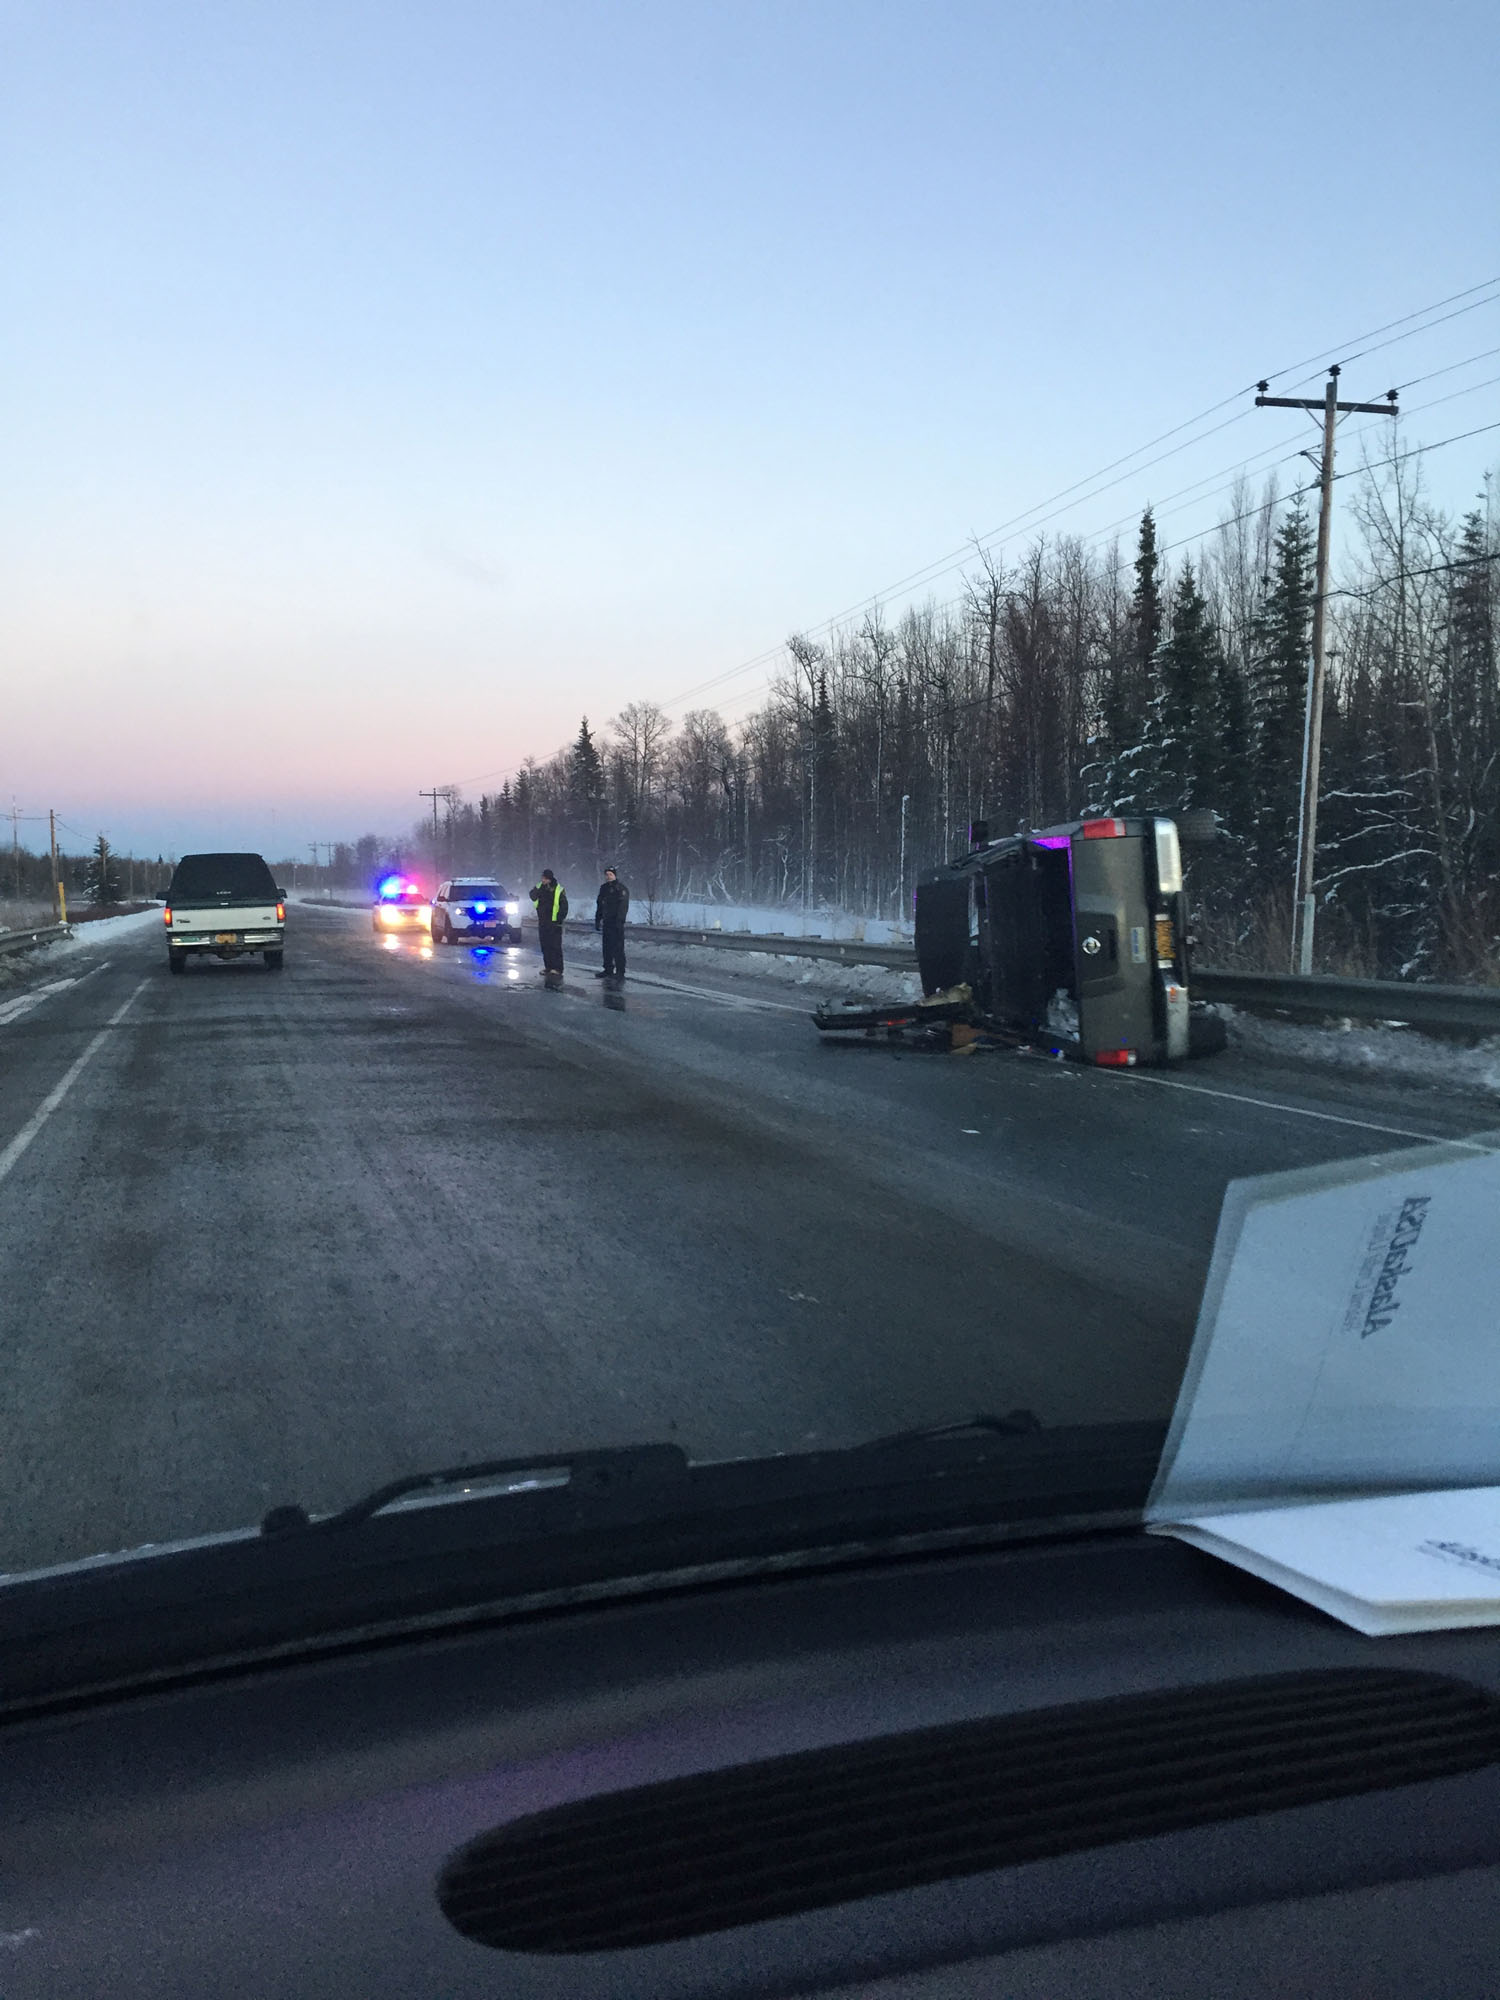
609	917
551	901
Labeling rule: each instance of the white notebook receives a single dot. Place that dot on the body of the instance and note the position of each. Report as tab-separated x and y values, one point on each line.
1338	1428
1401	1562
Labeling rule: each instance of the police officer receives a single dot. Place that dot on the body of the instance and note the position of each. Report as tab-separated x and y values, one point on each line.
609	917
551	901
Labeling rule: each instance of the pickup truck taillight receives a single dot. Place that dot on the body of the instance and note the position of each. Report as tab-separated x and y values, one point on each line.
281	913
166	915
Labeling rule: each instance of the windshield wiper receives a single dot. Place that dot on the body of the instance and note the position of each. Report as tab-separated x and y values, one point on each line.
597	1477
623	1474
1016	1423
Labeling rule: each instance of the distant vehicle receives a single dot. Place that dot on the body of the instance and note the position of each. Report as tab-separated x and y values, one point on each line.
224	905
475	909
400	905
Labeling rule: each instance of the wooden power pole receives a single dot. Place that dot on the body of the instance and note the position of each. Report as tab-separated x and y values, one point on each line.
1303	904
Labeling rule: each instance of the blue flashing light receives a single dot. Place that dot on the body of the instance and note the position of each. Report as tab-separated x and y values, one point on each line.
390	888
480	908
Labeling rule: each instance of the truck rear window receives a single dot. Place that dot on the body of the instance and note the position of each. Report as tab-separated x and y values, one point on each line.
222	878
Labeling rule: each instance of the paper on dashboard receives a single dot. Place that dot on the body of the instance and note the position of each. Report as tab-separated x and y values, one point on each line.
1349	1337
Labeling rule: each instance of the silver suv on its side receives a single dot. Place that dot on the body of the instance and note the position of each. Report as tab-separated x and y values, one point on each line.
475	909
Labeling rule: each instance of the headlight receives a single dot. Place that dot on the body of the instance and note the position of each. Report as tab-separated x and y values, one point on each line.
387	914
513	909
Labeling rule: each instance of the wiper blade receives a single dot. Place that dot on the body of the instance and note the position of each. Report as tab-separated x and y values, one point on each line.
597	1478
1016	1423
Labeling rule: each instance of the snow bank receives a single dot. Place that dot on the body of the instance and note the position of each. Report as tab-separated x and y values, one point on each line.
1368	1049
819	979
766	920
104	930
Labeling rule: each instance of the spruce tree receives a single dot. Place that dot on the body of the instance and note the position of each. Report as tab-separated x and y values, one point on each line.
1187	671
1278	690
1131	711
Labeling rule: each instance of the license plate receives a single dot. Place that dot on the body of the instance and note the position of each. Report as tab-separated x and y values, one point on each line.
226	937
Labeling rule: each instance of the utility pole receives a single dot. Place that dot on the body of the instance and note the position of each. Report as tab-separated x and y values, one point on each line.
1303	903
57	901
435	794
15	843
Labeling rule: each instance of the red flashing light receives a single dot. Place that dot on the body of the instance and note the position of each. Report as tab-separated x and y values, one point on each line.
1116	1058
1104	829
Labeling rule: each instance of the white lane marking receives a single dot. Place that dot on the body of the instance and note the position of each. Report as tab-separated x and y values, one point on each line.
12	1010
1304	1111
65	1083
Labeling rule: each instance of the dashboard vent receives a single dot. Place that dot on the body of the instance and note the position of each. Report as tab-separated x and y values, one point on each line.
802	1832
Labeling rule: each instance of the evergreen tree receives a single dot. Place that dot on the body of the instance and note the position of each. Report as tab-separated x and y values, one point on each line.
1187	669
1131	711
586	791
103	874
1278	690
1234	775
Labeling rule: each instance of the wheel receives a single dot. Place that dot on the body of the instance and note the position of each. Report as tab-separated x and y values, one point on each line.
440	930
274	959
176	960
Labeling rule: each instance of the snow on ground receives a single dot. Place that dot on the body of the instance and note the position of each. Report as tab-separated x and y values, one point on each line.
1368	1048
21	967
766	919
818	978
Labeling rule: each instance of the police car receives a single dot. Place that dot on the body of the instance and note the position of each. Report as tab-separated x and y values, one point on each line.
400	905
475	909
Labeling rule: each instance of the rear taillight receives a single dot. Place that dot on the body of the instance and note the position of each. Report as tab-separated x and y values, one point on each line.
1104	829
166	915
281	913
1116	1058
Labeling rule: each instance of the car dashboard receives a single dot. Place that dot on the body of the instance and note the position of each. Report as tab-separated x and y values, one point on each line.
1090	1765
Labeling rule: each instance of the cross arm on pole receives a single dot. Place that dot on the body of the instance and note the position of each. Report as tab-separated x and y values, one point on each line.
1386	409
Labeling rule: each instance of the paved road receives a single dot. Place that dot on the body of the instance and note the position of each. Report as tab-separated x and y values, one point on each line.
268	1237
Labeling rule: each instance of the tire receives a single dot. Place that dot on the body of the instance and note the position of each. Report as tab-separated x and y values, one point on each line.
440	930
274	960
176	961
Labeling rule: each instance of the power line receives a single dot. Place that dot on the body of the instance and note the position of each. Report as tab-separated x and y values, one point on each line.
942	564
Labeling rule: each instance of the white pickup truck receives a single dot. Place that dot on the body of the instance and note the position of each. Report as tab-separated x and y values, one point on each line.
227	905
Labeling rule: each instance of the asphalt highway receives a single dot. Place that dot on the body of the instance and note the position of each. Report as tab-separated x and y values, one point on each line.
269	1237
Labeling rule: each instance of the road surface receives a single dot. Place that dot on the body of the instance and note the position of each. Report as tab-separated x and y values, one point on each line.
270	1237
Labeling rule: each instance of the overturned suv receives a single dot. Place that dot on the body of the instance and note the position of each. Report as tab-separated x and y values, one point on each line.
475	909
224	906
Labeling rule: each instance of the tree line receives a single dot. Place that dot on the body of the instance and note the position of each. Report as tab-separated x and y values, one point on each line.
1071	681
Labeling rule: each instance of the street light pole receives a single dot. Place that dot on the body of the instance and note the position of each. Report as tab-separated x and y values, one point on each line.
901	865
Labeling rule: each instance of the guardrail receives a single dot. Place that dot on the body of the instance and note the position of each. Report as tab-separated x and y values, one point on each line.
24	940
1461	1009
1454	1009
1446	1009
843	951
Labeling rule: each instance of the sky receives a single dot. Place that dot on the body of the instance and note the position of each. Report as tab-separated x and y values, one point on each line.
384	387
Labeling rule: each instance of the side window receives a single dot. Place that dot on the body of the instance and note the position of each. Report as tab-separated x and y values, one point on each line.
442	894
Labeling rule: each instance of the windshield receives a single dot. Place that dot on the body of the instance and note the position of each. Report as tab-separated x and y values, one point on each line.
963	600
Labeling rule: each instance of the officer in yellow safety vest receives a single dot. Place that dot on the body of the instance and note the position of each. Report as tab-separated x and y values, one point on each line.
551	901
